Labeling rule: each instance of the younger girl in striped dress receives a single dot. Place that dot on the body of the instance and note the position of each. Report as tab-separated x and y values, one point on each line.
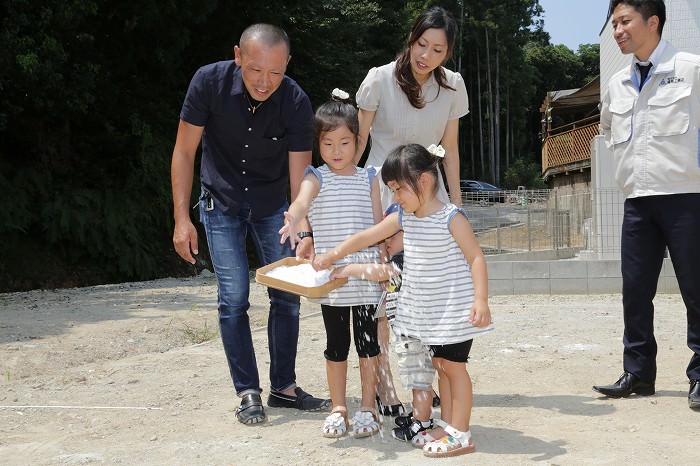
444	294
340	200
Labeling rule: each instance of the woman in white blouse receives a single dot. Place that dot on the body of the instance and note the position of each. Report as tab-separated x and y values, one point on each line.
413	100
416	100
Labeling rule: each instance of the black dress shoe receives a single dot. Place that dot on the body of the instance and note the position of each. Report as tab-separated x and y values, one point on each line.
625	386
694	394
302	401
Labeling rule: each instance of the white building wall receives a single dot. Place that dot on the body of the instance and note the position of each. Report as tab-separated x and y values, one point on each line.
611	59
683	24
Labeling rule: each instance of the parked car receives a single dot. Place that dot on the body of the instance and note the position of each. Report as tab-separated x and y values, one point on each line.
482	192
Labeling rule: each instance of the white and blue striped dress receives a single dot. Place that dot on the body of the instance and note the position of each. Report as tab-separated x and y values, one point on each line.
342	208
437	292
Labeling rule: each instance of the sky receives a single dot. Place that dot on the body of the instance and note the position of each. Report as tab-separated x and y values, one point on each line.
574	22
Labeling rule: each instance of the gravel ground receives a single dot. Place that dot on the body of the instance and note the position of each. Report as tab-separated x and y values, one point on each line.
134	373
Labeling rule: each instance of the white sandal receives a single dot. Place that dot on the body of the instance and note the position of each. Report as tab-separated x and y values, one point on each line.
364	424
454	443
421	438
335	426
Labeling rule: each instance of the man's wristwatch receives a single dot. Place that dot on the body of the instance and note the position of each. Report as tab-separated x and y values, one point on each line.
305	234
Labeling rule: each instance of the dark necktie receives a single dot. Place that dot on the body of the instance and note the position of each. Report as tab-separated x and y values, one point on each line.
644	72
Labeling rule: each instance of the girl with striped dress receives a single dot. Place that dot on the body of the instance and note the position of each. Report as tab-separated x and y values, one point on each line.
444	293
341	199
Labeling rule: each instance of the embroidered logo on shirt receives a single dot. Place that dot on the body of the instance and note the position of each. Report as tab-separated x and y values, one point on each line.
671	80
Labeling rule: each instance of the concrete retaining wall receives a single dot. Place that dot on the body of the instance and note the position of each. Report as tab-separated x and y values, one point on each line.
566	277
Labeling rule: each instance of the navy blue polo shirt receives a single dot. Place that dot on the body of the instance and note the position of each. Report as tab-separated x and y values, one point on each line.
245	156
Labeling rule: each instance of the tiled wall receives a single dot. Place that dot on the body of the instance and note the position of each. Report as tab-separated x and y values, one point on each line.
683	24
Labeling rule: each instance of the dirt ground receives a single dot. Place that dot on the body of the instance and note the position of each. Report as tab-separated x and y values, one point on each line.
134	373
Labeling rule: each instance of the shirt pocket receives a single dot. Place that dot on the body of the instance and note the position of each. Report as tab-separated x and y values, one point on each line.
268	162
273	147
621	123
669	111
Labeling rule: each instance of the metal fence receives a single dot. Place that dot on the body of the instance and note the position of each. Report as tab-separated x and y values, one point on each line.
606	224
534	220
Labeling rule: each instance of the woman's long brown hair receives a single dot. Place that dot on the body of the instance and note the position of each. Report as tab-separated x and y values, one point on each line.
433	18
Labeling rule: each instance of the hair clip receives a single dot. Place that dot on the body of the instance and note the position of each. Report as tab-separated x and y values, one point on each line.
437	151
339	94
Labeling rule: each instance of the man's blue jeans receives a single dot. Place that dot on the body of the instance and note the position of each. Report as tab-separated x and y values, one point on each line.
226	236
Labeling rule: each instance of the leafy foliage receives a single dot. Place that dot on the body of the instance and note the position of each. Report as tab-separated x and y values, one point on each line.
523	173
86	124
90	93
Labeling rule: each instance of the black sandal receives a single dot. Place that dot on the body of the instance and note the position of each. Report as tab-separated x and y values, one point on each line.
251	409
392	410
404	421
405	433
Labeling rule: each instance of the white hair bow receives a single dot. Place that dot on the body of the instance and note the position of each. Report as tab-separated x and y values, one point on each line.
340	94
437	151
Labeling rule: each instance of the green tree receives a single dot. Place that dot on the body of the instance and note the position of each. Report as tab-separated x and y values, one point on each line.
499	81
523	172
91	92
590	62
554	66
87	116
